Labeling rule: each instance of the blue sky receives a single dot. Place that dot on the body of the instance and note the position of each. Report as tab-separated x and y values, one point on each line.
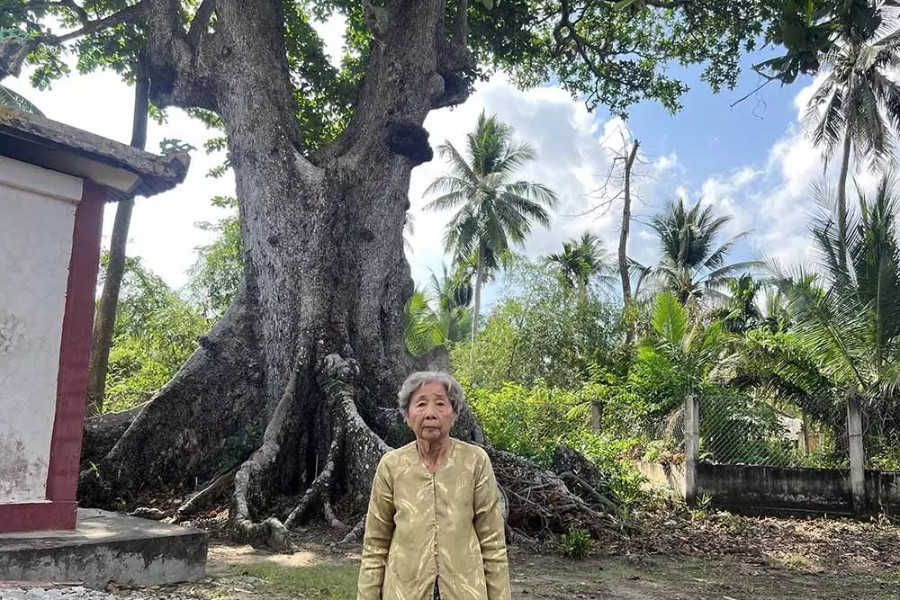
750	161
708	134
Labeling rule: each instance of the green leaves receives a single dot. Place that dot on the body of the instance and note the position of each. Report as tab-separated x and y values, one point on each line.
441	316
670	320
580	262
611	53
156	331
539	330
218	271
848	317
811	30
617	53
858	99
12	33
174	146
692	264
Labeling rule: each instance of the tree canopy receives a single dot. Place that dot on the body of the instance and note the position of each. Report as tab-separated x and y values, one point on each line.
612	53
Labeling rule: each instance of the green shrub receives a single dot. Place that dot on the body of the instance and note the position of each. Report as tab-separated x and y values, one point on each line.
577	543
531	421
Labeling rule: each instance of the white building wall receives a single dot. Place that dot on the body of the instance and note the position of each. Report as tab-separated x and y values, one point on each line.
37	216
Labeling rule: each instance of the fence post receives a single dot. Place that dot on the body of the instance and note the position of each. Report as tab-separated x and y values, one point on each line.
691	446
596	415
857	456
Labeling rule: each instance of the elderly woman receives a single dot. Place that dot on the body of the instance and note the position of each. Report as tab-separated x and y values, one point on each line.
434	527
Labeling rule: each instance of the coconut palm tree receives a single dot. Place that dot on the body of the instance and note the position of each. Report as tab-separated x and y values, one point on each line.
841	337
848	317
580	261
692	265
440	315
857	105
493	210
739	312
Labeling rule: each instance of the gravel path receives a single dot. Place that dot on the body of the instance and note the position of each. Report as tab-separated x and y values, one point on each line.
69	593
80	593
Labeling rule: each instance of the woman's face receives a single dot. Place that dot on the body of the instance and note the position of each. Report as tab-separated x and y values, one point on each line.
430	413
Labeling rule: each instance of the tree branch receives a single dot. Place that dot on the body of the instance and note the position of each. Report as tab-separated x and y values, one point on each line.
456	53
201	20
126	15
69	4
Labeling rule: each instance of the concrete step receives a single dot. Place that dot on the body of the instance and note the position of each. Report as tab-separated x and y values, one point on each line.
106	547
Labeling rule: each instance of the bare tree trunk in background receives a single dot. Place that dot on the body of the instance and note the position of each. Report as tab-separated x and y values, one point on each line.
623	245
105	320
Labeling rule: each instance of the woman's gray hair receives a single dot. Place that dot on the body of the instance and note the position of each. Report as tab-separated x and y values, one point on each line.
420	378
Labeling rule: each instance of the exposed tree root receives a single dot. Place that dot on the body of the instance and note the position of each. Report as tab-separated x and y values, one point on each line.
355	534
332	519
318	416
179	436
321	487
103	431
254	476
334	385
205	496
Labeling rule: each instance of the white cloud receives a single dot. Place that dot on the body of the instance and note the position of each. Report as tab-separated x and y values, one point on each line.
572	161
575	153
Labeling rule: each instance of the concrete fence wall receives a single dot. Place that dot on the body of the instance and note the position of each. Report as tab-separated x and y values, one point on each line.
777	488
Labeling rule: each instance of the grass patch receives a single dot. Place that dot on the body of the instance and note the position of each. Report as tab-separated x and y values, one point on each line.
796	560
322	581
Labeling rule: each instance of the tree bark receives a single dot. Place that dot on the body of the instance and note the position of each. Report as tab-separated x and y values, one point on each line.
842	199
623	246
105	323
476	303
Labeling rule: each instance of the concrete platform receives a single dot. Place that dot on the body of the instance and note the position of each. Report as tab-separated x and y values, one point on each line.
106	546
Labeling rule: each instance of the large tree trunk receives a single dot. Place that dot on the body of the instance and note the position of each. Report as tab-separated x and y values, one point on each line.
624	272
105	322
311	352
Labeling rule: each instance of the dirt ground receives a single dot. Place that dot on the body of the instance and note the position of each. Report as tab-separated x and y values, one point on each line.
705	556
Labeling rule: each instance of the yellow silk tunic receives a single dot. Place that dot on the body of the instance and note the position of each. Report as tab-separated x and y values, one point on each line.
421	527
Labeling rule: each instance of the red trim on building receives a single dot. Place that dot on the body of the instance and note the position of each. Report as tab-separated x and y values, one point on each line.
37	516
74	360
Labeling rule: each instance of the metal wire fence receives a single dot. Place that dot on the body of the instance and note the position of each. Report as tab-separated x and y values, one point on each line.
881	434
741	430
